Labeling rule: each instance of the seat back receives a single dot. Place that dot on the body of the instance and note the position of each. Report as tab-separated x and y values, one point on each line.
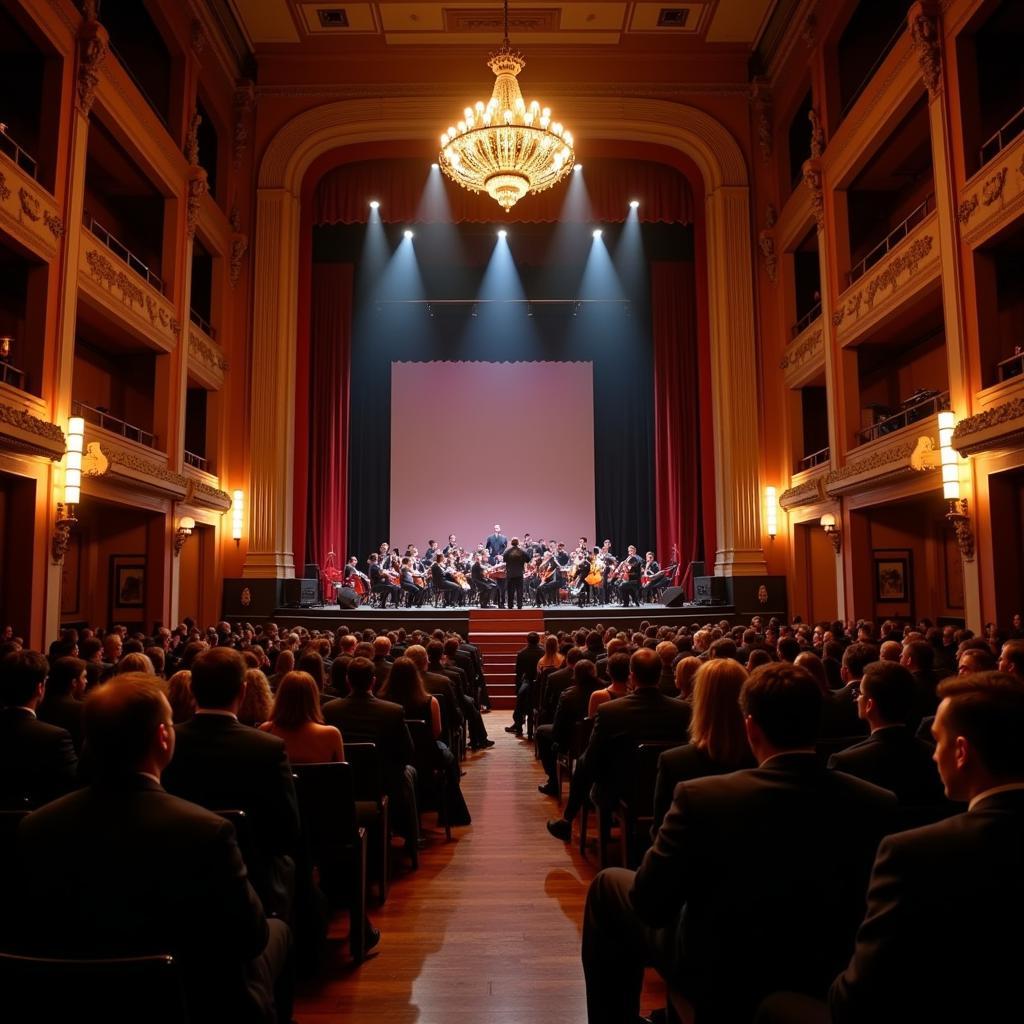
639	795
426	756
367	771
327	808
116	990
581	731
243	832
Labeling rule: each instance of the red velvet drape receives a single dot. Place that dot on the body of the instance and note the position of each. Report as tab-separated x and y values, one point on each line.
343	195
677	443
330	352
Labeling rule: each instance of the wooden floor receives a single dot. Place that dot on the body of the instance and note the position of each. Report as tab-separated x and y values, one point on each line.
488	928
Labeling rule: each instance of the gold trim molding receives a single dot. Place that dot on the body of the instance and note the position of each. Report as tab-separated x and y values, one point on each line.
118	465
808	493
881	465
25	434
997	428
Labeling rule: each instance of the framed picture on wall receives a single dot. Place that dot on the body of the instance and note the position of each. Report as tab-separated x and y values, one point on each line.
892	575
127	585
69	576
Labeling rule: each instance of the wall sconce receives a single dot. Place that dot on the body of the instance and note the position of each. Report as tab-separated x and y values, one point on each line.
186	524
67	510
958	513
237	510
5	347
771	511
828	524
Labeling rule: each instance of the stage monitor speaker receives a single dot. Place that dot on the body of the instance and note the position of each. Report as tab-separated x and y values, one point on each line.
674	597
301	593
347	598
312	571
710	590
696	569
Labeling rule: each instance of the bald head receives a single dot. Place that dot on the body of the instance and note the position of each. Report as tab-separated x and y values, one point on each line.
128	726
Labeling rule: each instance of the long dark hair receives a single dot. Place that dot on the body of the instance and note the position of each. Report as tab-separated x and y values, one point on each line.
405	685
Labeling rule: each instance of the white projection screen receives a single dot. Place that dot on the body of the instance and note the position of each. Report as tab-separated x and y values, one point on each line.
479	443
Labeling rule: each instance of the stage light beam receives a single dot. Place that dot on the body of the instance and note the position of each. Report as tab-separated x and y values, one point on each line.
503	233
408	234
597	232
634	203
374	204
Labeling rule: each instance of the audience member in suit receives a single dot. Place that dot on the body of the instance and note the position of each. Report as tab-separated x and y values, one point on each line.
381	661
1011	659
37	760
480	681
619	727
121	867
941	940
436	667
724	925
718	740
892	757
62	701
439	686
618	683
919	657
364	718
526	676
338	685
223	764
842	715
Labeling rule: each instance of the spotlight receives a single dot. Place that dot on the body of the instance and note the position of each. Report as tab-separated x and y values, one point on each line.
433	167
502	233
634	203
374	205
408	234
597	232
578	167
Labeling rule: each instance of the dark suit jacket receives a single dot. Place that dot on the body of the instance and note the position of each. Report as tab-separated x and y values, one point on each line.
367	719
557	683
222	764
440	686
942	939
496	544
839	715
572	708
65	712
381	671
681	764
526	663
744	927
515	563
896	760
621	725
37	759
122	867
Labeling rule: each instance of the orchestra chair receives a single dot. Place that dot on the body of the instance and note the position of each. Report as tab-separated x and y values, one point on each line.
431	773
372	808
116	990
634	811
333	841
566	760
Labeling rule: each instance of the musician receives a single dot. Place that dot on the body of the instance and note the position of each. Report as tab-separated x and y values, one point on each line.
630	588
557	561
351	574
431	553
487	588
496	543
384	555
652	579
444	584
515	565
381	584
539	548
414	594
593	569
451	547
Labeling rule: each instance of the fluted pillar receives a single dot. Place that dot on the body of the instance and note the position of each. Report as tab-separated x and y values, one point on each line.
272	414
735	403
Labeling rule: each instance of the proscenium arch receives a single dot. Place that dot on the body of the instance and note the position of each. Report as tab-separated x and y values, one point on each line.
311	134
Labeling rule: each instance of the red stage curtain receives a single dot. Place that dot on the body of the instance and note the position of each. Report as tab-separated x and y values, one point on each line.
343	195
677	441
330	359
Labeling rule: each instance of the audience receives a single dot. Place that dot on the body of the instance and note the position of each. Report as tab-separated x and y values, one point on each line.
179	695
61	705
296	717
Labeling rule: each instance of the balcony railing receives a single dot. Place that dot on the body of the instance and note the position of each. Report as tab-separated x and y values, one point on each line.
138	85
892	239
20	156
12	375
918	406
814	459
102	418
1002	138
202	323
806	320
196	461
873	70
1012	367
122	252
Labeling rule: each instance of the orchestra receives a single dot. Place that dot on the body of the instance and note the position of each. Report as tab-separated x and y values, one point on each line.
550	574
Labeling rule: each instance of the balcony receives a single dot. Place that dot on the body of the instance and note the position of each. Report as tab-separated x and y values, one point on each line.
18	156
919	406
805	321
887	48
1001	138
100	417
203	324
992	199
12	376
1007	369
122	252
817	458
891	240
197	461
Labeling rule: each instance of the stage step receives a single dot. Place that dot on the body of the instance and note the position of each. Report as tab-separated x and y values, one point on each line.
500	633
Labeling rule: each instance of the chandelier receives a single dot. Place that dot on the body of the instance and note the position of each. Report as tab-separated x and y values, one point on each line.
504	147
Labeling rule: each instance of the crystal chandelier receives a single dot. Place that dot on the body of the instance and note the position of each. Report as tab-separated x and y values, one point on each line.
504	147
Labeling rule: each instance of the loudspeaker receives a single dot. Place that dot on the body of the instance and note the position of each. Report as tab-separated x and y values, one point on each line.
301	593
347	598
696	569
673	597
312	571
710	590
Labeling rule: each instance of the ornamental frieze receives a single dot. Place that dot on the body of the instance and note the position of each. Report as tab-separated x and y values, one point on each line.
22	432
806	350
881	464
200	493
206	353
809	493
29	211
106	460
998	427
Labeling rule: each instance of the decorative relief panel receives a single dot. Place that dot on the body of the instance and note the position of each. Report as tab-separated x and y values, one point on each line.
27	211
26	434
804	354
119	465
126	294
912	263
997	428
808	493
994	196
206	358
881	464
202	493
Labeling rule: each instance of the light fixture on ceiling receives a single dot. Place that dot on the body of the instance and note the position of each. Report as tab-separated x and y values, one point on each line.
504	147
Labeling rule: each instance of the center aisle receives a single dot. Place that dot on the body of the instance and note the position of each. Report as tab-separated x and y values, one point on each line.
488	928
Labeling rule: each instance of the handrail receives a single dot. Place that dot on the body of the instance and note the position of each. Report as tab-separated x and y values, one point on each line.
806	320
892	239
196	461
202	323
101	418
873	70
815	458
1006	369
138	85
119	249
9	374
911	414
17	153
1001	138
